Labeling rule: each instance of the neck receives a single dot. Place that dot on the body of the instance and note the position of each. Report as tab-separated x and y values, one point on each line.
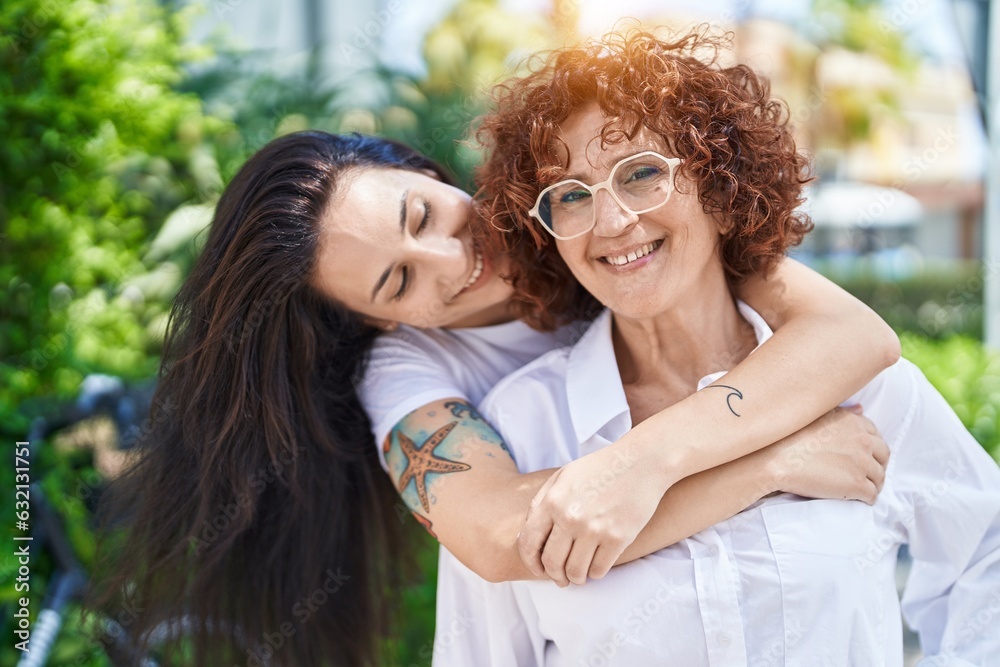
702	334
500	313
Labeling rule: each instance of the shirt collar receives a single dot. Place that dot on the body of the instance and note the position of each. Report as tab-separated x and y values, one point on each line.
593	382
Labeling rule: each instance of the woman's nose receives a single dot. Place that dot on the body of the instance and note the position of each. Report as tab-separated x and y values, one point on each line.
439	258
611	219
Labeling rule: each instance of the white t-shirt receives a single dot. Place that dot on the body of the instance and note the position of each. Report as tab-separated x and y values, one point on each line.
410	367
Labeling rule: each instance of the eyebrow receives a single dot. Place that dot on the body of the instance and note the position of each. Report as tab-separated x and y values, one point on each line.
615	159
402	228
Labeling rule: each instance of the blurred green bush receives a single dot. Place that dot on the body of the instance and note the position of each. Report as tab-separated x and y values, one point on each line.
943	300
106	174
99	155
968	376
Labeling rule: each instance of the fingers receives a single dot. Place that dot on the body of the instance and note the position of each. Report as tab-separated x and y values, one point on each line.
881	452
604	559
876	474
535	532
554	557
531	540
870	493
869	425
578	564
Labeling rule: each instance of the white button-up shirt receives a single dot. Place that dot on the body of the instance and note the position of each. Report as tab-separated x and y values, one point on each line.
789	581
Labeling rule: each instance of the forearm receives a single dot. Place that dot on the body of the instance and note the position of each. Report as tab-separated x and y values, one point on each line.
702	500
486	539
690	506
826	346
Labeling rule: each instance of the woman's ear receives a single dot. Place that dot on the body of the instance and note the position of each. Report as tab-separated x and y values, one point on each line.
725	227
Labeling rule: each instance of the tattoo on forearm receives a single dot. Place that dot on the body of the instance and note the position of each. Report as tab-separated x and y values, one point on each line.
418	470
729	398
421	461
459	409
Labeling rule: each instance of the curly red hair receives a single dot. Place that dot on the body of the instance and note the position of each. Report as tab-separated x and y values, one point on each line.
722	121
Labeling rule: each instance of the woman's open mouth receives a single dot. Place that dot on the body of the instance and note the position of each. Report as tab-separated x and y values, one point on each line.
634	256
477	271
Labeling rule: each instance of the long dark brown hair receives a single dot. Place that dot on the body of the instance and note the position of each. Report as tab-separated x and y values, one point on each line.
256	509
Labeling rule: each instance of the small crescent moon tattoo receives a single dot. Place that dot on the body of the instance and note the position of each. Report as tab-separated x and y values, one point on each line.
735	392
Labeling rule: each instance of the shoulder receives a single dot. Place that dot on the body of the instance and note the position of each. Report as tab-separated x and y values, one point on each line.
890	399
408	339
535	383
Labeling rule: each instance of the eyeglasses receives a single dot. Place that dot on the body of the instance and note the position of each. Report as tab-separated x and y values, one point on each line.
638	184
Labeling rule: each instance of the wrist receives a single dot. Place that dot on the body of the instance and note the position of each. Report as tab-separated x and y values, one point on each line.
772	468
670	465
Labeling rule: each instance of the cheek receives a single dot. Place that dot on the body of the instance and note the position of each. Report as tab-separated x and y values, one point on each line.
574	255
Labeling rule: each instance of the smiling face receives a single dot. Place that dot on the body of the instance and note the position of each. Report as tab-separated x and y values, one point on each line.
396	247
641	265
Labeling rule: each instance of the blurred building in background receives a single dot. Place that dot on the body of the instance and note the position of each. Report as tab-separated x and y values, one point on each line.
880	93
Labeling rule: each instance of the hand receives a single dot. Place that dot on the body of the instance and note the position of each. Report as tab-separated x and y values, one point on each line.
586	514
840	455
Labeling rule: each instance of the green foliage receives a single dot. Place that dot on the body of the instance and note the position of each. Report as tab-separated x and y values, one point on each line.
99	150
100	155
968	376
938	303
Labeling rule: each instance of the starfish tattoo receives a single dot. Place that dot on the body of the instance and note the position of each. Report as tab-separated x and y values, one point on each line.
421	461
735	392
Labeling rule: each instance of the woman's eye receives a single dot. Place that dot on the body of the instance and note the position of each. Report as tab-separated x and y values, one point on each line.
405	274
426	218
573	196
643	173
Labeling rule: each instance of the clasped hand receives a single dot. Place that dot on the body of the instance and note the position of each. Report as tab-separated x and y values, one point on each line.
586	515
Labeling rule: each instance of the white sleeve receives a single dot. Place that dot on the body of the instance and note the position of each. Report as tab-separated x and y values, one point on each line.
481	623
405	370
949	489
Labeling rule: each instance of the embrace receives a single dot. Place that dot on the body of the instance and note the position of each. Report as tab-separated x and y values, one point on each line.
641	434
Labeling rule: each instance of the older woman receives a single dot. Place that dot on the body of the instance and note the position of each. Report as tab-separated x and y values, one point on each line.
663	180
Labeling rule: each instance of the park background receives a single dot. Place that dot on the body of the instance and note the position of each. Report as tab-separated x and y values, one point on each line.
123	119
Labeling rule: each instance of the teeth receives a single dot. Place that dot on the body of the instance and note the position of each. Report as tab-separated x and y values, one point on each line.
476	272
621	260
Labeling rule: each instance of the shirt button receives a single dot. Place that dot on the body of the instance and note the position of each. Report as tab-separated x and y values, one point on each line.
724	639
714	551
